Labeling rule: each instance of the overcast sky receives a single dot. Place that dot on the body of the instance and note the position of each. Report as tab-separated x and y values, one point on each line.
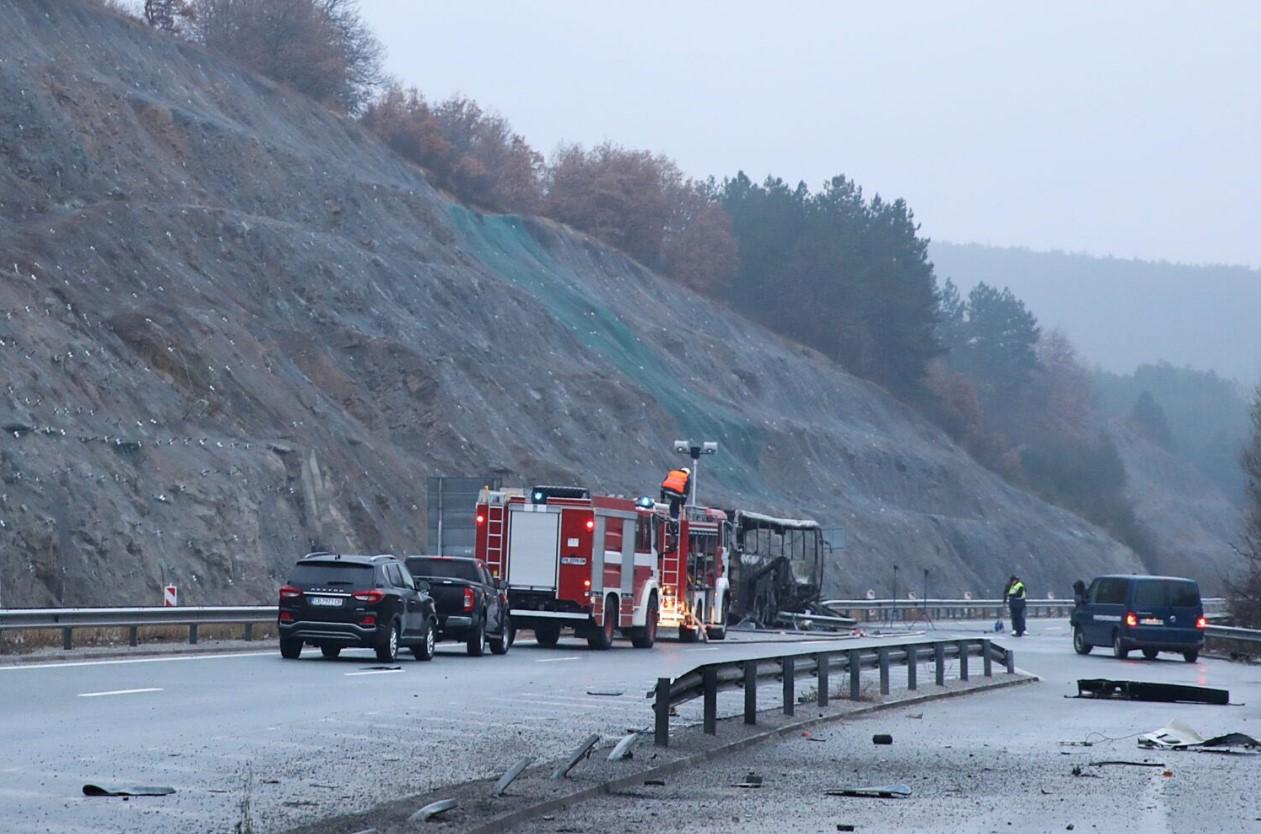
1123	128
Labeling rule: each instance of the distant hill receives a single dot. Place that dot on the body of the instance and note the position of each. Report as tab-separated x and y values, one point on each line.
1122	313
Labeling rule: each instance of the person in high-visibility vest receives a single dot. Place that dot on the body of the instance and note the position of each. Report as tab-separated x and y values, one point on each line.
1014	596
675	489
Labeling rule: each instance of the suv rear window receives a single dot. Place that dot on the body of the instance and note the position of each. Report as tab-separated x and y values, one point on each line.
444	568
332	573
1155	593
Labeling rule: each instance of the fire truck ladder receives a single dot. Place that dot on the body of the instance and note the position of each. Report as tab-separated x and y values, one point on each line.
495	534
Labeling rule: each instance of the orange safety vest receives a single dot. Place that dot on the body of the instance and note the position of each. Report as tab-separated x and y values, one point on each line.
676	482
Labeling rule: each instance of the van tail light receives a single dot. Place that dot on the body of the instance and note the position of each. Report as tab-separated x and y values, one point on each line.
1201	622
371	596
1131	619
468	599
369	621
290	592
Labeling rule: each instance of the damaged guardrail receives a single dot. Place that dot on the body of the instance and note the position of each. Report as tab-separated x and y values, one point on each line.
68	619
707	680
967	609
1233	642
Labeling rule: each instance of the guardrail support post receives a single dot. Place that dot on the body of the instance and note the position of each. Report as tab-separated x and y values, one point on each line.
249	632
963	660
1011	662
790	696
192	634
661	708
855	673
912	661
987	663
822	663
709	679
883	654
133	635
750	692
939	649
67	639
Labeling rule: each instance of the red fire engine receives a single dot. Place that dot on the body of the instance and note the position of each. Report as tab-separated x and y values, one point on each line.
561	553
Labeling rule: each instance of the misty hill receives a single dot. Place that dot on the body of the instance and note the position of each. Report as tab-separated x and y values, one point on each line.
1123	313
235	327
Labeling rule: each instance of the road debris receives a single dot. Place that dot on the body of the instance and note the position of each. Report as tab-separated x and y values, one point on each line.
751	780
433	809
511	774
882	738
1121	762
841	826
1078	770
1177	735
130	790
606	693
622	750
583	751
873	791
1145	691
660	783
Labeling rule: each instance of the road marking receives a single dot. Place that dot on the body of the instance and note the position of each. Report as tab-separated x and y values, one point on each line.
119	692
713	649
556	659
373	672
25	666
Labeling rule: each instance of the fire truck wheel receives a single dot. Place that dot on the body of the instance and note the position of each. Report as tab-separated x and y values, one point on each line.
547	635
719	632
603	638
643	638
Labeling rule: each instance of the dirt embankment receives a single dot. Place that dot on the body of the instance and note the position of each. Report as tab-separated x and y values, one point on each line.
234	327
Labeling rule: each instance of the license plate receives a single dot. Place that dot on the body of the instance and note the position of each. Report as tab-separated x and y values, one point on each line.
326	602
1151	621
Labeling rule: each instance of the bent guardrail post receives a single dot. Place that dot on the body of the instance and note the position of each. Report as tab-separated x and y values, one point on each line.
710	683
661	729
822	661
855	670
790	675
912	661
939	651
750	692
987	663
1011	662
882	656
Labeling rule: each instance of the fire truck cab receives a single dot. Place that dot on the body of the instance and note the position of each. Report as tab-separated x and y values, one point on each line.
602	564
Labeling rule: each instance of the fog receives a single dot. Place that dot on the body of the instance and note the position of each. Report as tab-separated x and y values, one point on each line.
1127	128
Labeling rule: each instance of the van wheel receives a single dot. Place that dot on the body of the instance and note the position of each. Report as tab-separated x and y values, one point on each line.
1079	642
1150	654
1191	656
643	638
331	652
1119	650
603	638
387	650
547	635
290	648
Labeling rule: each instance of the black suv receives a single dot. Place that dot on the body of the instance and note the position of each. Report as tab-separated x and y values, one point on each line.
472	606
335	601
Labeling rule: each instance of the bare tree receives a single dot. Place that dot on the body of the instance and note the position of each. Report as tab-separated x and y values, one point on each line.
1245	593
166	15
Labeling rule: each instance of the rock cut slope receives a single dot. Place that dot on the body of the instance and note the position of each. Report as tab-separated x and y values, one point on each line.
234	326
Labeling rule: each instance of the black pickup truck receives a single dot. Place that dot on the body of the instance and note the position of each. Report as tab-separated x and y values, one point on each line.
472	607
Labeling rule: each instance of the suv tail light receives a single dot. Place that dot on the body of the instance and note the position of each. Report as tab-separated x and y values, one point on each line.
1131	619
286	616
290	592
369	621
371	596
1201	622
468	599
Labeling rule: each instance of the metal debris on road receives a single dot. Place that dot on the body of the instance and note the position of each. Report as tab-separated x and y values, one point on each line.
1078	770
433	809
873	791
751	780
606	693
882	738
583	751
622	750
130	790
511	774
1176	735
1122	762
1146	691
660	783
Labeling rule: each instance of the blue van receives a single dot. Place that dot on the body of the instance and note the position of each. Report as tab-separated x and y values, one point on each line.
1152	613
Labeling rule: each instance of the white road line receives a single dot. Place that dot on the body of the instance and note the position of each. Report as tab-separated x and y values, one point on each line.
714	649
119	692
374	672
556	659
66	665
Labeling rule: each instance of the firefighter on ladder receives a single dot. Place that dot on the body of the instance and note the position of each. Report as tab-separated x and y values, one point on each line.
675	489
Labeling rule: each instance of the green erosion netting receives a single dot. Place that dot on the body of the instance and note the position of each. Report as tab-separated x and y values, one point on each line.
504	245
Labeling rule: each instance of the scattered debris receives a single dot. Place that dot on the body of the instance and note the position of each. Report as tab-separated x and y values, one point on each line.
1078	770
841	826
1144	691
1071	743
511	774
1178	736
622	750
583	751
433	809
606	693
130	790
916	715
751	780
660	783
882	738
1168	774
380	668
873	791
1121	762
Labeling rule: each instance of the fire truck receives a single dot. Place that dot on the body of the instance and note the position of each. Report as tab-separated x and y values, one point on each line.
600	565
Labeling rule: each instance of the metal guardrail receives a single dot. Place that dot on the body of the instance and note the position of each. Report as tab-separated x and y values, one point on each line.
1246	635
1235	643
895	610
68	619
707	680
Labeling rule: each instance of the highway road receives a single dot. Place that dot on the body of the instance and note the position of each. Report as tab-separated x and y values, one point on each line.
990	762
313	738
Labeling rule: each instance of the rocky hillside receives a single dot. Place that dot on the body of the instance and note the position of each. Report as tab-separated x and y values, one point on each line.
233	326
